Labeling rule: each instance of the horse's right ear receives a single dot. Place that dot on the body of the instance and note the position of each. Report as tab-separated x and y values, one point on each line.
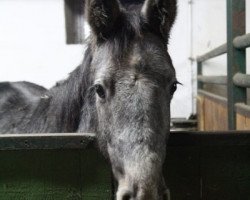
102	15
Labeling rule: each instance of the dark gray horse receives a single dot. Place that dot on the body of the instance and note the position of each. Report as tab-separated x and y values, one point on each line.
121	91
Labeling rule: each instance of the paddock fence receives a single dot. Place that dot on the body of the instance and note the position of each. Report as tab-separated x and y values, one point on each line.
231	111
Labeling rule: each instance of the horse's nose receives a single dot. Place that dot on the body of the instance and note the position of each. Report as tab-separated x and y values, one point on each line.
125	194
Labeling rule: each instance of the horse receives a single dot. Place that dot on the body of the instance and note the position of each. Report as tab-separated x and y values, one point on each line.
121	91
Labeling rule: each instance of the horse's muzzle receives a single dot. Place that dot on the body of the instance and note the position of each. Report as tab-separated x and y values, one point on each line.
130	194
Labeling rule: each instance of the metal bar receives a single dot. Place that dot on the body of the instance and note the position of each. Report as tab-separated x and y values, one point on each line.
214	53
242	42
199	73
239	42
243	109
242	80
236	58
220	80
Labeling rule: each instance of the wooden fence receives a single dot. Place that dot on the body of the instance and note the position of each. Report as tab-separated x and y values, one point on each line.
199	166
231	112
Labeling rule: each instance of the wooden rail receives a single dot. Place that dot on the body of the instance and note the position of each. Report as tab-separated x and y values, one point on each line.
63	141
46	141
237	42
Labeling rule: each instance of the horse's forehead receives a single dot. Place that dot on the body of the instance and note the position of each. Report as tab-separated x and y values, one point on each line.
147	52
138	55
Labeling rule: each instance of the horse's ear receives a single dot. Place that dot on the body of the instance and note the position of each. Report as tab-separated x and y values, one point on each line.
102	15
160	15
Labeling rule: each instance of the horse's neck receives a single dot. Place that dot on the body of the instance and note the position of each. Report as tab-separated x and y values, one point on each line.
66	100
63	104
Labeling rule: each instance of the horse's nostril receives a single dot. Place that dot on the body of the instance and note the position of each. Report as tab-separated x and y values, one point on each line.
127	196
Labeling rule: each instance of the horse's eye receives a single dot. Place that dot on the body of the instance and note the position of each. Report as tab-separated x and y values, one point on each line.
100	90
173	88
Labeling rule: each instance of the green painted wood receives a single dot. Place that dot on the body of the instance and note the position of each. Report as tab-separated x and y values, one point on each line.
208	172
199	166
236	58
225	172
27	141
54	174
182	172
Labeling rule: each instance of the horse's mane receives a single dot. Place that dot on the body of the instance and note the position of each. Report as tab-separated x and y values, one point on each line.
69	96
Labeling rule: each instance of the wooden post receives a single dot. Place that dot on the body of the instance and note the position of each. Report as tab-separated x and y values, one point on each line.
236	57
199	72
74	21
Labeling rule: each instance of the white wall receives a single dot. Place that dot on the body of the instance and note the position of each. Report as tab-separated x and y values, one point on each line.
32	47
32	42
209	31
179	50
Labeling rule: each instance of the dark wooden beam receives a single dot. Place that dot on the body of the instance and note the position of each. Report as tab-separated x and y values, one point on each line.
74	21
87	140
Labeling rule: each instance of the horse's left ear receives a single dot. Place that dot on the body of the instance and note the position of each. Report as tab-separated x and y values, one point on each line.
160	15
102	15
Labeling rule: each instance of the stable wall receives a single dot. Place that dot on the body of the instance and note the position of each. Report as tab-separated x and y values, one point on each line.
33	47
32	42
